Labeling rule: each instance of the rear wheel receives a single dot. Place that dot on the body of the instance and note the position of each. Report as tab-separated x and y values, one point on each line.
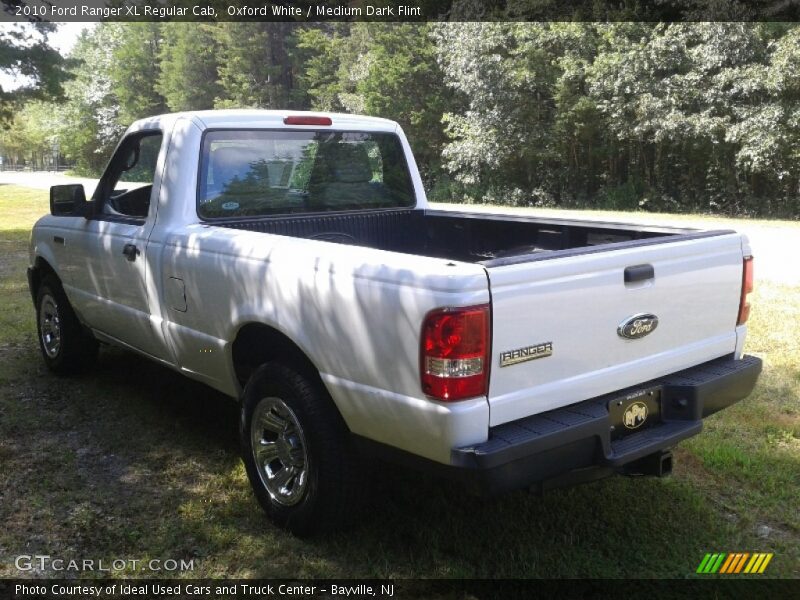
297	452
66	347
280	451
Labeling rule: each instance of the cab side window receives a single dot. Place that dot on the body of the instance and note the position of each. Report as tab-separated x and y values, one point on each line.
125	189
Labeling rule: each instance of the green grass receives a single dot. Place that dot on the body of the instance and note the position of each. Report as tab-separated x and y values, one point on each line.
134	461
19	207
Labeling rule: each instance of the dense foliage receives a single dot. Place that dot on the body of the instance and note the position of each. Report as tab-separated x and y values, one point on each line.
680	116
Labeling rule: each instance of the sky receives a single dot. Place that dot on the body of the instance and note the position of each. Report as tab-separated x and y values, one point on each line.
62	40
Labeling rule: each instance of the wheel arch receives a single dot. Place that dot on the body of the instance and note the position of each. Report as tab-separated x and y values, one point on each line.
257	343
39	270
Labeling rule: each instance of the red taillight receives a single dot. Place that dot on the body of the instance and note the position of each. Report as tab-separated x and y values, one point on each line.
454	353
306	120
747	287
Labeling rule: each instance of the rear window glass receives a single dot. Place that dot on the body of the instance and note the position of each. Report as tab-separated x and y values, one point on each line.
258	173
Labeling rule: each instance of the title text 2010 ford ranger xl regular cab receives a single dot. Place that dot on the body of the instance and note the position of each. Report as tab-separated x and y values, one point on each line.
291	260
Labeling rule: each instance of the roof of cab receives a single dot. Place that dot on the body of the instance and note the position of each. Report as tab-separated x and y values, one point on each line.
247	118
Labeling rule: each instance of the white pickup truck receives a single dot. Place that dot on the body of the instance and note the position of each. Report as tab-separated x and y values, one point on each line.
290	260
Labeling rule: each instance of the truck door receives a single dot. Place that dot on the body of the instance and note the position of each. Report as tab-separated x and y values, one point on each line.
110	272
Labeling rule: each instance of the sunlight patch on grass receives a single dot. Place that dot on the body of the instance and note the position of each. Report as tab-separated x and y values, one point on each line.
21	206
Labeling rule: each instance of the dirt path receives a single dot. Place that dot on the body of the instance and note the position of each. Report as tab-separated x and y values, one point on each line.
42	180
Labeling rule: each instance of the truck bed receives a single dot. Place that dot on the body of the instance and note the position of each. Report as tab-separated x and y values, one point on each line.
488	239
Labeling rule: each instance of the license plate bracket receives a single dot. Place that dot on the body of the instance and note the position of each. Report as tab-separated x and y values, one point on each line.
634	412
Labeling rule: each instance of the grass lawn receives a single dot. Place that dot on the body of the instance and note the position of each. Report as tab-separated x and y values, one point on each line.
134	461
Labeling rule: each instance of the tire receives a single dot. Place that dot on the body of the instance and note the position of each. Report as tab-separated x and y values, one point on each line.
66	346
292	434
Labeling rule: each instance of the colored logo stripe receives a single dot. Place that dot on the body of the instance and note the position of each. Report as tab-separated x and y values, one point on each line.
760	563
734	563
703	564
711	563
732	558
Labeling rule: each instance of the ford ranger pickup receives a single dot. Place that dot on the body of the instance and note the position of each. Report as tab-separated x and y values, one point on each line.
291	261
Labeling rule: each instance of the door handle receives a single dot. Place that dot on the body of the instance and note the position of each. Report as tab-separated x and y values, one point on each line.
58	239
639	273
130	251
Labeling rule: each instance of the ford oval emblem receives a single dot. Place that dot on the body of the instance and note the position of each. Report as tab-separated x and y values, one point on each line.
637	326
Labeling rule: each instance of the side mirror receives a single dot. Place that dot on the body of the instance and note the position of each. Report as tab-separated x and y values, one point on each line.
67	200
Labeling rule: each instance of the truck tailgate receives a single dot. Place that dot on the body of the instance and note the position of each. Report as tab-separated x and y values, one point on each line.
555	319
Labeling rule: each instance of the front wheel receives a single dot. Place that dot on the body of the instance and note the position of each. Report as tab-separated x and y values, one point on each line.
297	452
66	347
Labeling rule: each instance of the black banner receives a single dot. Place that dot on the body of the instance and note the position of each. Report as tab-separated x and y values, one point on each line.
399	10
263	589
